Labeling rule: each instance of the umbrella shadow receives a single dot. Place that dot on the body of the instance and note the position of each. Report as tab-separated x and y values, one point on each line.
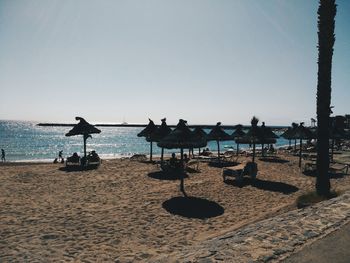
273	160
279	187
193	207
222	164
77	168
171	176
332	174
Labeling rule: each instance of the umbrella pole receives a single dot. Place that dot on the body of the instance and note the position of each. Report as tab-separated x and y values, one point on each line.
85	138
162	156
262	150
218	143
290	143
295	144
150	154
301	142
237	149
332	149
253	152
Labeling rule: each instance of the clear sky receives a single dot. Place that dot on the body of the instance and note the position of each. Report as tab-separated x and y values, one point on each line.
204	61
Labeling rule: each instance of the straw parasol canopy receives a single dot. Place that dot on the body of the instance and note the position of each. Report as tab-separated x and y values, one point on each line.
302	133
267	136
218	134
83	128
238	133
182	138
289	134
160	133
149	132
253	136
150	128
199	132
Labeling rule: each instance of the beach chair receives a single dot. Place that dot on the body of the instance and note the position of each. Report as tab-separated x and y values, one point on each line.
238	171
193	164
339	168
73	160
93	160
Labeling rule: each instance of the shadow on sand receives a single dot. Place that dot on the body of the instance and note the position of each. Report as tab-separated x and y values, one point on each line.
273	160
265	185
332	174
76	168
193	207
161	175
222	164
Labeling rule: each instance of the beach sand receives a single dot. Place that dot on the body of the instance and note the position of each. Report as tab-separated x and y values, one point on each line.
117	212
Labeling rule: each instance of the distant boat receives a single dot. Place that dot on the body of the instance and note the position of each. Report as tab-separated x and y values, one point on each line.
124	123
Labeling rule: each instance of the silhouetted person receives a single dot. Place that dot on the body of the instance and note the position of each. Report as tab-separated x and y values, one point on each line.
3	159
60	155
173	161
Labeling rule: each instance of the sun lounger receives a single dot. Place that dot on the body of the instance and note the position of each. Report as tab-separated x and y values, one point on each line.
93	159
238	171
73	160
193	164
339	168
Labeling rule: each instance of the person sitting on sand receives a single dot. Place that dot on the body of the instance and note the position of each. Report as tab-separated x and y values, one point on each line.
3	159
93	157
206	152
186	159
173	161
74	158
271	149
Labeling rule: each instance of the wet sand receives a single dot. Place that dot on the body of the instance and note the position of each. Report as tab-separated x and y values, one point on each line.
128	210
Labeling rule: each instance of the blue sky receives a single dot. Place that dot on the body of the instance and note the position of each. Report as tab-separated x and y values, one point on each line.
204	61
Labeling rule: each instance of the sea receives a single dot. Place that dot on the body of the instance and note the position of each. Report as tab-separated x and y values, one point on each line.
26	141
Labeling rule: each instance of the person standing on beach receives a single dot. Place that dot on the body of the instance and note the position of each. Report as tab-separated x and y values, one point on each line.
60	155
3	159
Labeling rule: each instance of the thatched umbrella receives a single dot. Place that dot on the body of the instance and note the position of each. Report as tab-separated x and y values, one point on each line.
199	132
267	135
302	133
148	132
238	133
337	131
160	133
288	135
83	128
252	136
218	134
182	138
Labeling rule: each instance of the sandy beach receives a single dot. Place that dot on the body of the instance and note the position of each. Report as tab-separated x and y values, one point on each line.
127	211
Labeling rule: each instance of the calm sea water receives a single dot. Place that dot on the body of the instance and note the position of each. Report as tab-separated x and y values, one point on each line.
25	141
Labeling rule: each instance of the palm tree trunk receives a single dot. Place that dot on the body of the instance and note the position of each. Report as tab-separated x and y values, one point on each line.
301	145
326	15
332	150
253	152
162	156
218	143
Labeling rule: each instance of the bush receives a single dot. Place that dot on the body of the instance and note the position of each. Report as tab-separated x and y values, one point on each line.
311	198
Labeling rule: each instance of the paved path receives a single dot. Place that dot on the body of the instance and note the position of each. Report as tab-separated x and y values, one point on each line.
333	248
274	239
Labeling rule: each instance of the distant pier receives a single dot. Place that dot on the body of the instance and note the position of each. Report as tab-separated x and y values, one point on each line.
204	126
